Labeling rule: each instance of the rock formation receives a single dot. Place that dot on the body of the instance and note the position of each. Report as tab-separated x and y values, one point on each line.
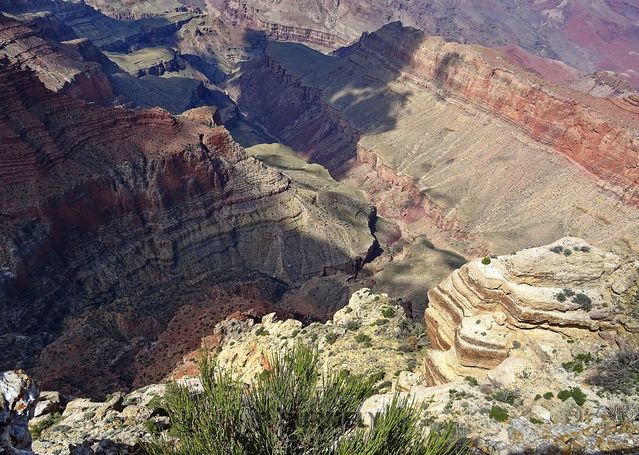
550	29
416	122
18	398
112	220
58	72
525	304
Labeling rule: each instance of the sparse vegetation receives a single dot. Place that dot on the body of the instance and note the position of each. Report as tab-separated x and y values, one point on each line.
362	338
549	396
561	297
536	421
557	249
353	326
619	373
498	413
583	301
261	331
331	337
579	363
509	396
380	322
486	261
471	381
388	312
291	410
576	393
47	422
623	412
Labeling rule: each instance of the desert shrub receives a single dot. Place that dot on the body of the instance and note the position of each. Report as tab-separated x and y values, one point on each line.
585	249
561	297
568	292
583	301
619	373
509	396
549	396
47	422
498	413
471	381
622	412
353	325
361	338
348	310
536	421
557	249
567	252
576	393
380	322
291	410
388	312
579	363
261	331
486	261
331	337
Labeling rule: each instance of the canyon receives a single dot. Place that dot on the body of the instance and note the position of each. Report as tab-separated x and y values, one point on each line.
172	212
239	176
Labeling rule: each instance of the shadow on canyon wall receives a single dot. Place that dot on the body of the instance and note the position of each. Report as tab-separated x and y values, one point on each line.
297	93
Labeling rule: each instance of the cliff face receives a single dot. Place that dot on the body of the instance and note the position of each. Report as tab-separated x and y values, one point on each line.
552	29
483	312
114	219
417	122
59	72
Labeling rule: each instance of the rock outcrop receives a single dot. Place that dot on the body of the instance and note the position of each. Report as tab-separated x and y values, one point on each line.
80	78
525	305
18	398
112	220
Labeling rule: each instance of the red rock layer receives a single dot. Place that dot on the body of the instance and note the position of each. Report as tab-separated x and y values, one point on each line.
80	79
112	220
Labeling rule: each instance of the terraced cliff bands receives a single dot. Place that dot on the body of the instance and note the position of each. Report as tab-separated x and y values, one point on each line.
135	214
454	141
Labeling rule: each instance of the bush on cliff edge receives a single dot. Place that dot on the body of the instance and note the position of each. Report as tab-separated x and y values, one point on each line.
291	410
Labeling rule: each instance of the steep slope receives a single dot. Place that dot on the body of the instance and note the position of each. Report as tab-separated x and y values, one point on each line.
55	68
590	35
112	220
453	141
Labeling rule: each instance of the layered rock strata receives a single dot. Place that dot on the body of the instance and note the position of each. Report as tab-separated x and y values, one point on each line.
524	305
113	219
453	141
80	78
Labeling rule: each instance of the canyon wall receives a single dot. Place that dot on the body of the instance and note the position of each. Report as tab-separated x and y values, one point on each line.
113	219
453	140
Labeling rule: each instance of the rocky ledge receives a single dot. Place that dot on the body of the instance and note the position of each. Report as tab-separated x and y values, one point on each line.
566	385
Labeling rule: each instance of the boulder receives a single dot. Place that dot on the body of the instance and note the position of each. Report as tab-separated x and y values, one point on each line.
18	395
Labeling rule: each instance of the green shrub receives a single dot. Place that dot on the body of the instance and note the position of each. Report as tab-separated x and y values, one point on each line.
486	261
576	393
348	310
580	362
509	396
561	297
380	322
388	312
261	331
557	249
47	422
471	381
549	396
361	338
536	421
293	410
568	292
567	252
538	397
498	413
353	325
331	337
583	301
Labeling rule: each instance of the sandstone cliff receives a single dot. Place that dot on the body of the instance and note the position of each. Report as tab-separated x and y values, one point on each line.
112	220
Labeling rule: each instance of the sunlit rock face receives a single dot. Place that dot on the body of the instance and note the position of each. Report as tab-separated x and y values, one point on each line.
525	305
112	220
